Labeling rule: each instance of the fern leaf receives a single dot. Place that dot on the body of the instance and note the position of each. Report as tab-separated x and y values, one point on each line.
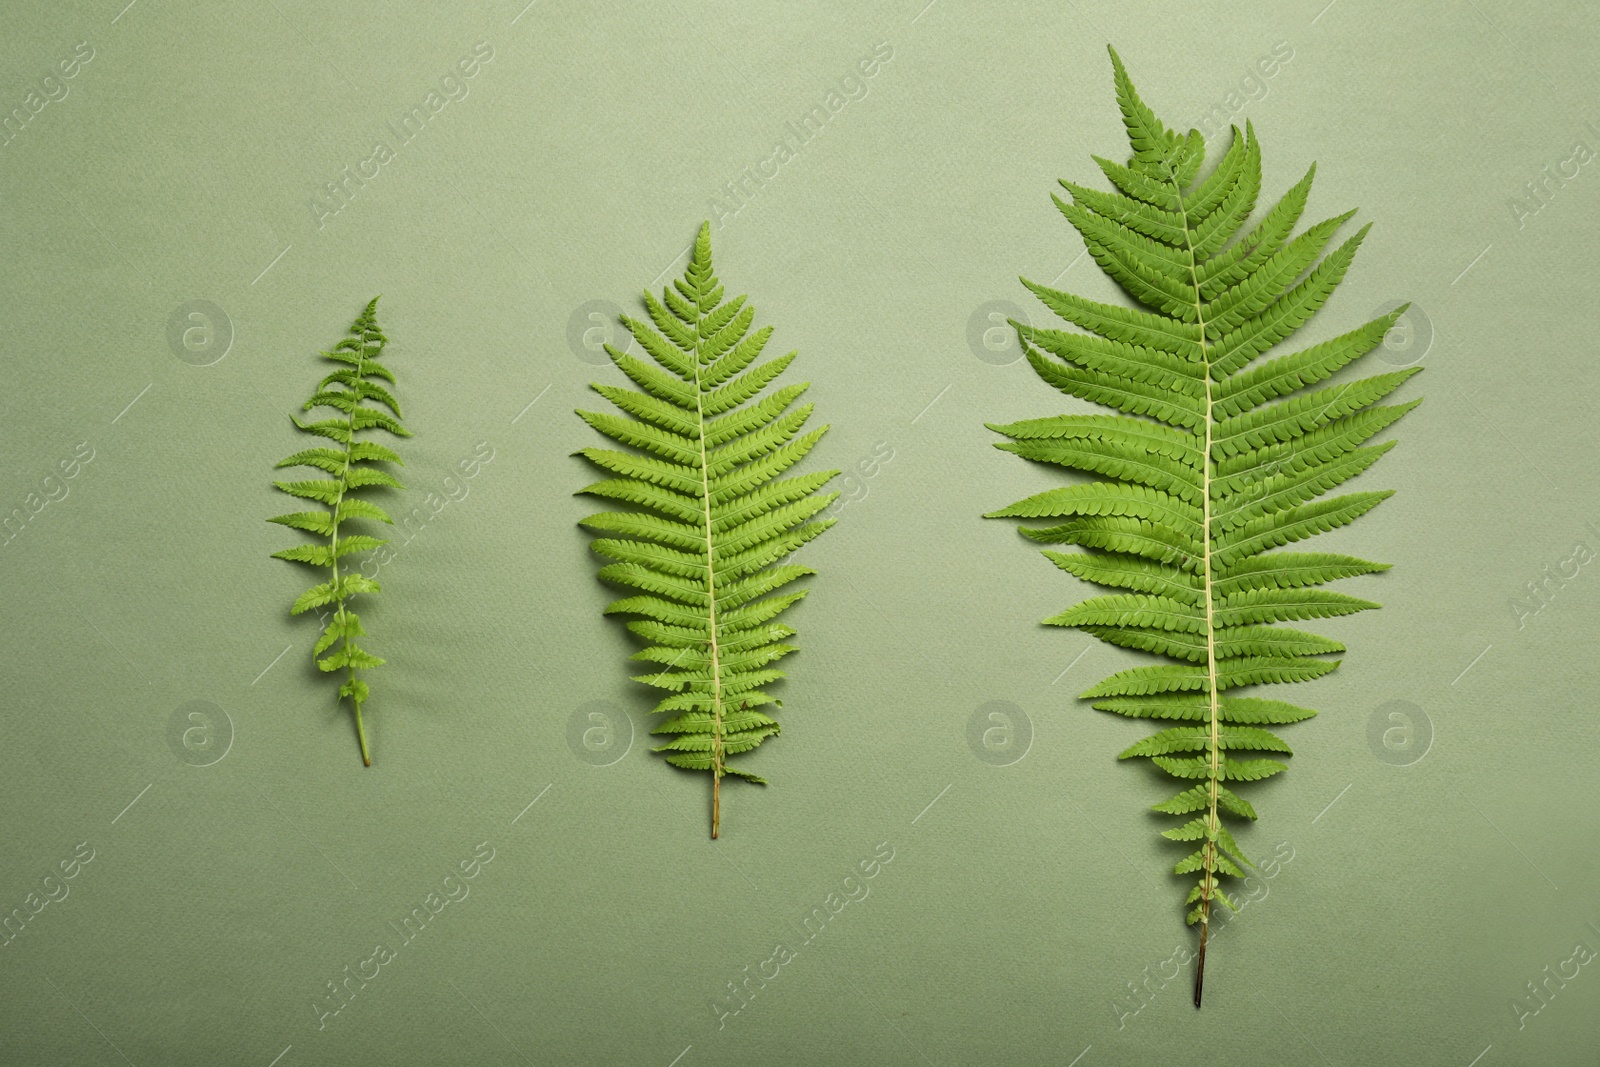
674	448
1135	397
633	491
1292	570
317	555
326	490
359	476
317	522
731	486
659	413
1237	506
647	527
1157	612
355	508
333	429
1220	454
1108	498
1320	446
331	460
1129	572
347	390
675	476
1235	262
713	524
1293	524
1129	536
1284	375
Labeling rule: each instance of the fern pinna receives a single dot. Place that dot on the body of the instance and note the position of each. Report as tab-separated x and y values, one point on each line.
703	550
1218	458
349	390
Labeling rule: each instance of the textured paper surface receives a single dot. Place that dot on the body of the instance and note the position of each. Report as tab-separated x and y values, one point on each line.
176	256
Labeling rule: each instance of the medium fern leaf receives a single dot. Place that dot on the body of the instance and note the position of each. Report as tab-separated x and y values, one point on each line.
348	391
703	550
1219	458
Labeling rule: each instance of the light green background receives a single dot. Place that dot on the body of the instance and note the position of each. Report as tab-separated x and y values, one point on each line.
1420	899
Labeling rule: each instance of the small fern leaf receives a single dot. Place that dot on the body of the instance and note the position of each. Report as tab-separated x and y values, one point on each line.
702	550
349	391
1220	457
317	522
316	555
329	459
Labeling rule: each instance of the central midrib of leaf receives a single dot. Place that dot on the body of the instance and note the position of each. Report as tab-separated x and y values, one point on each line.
711	574
338	501
1213	711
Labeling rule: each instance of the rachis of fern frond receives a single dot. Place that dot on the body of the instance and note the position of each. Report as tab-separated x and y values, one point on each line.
1219	457
710	523
352	466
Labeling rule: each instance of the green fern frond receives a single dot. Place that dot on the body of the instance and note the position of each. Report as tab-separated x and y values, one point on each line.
701	554
1218	457
350	466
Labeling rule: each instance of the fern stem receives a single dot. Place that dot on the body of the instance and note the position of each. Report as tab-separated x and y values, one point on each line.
711	578
361	733
1208	861
716	802
333	547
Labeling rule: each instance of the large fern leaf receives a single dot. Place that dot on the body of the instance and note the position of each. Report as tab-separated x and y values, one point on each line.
1219	457
700	549
358	391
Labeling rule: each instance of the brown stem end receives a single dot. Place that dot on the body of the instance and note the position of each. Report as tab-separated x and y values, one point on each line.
716	804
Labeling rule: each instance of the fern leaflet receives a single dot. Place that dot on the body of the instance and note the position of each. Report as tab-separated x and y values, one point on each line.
358	390
1219	457
702	546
